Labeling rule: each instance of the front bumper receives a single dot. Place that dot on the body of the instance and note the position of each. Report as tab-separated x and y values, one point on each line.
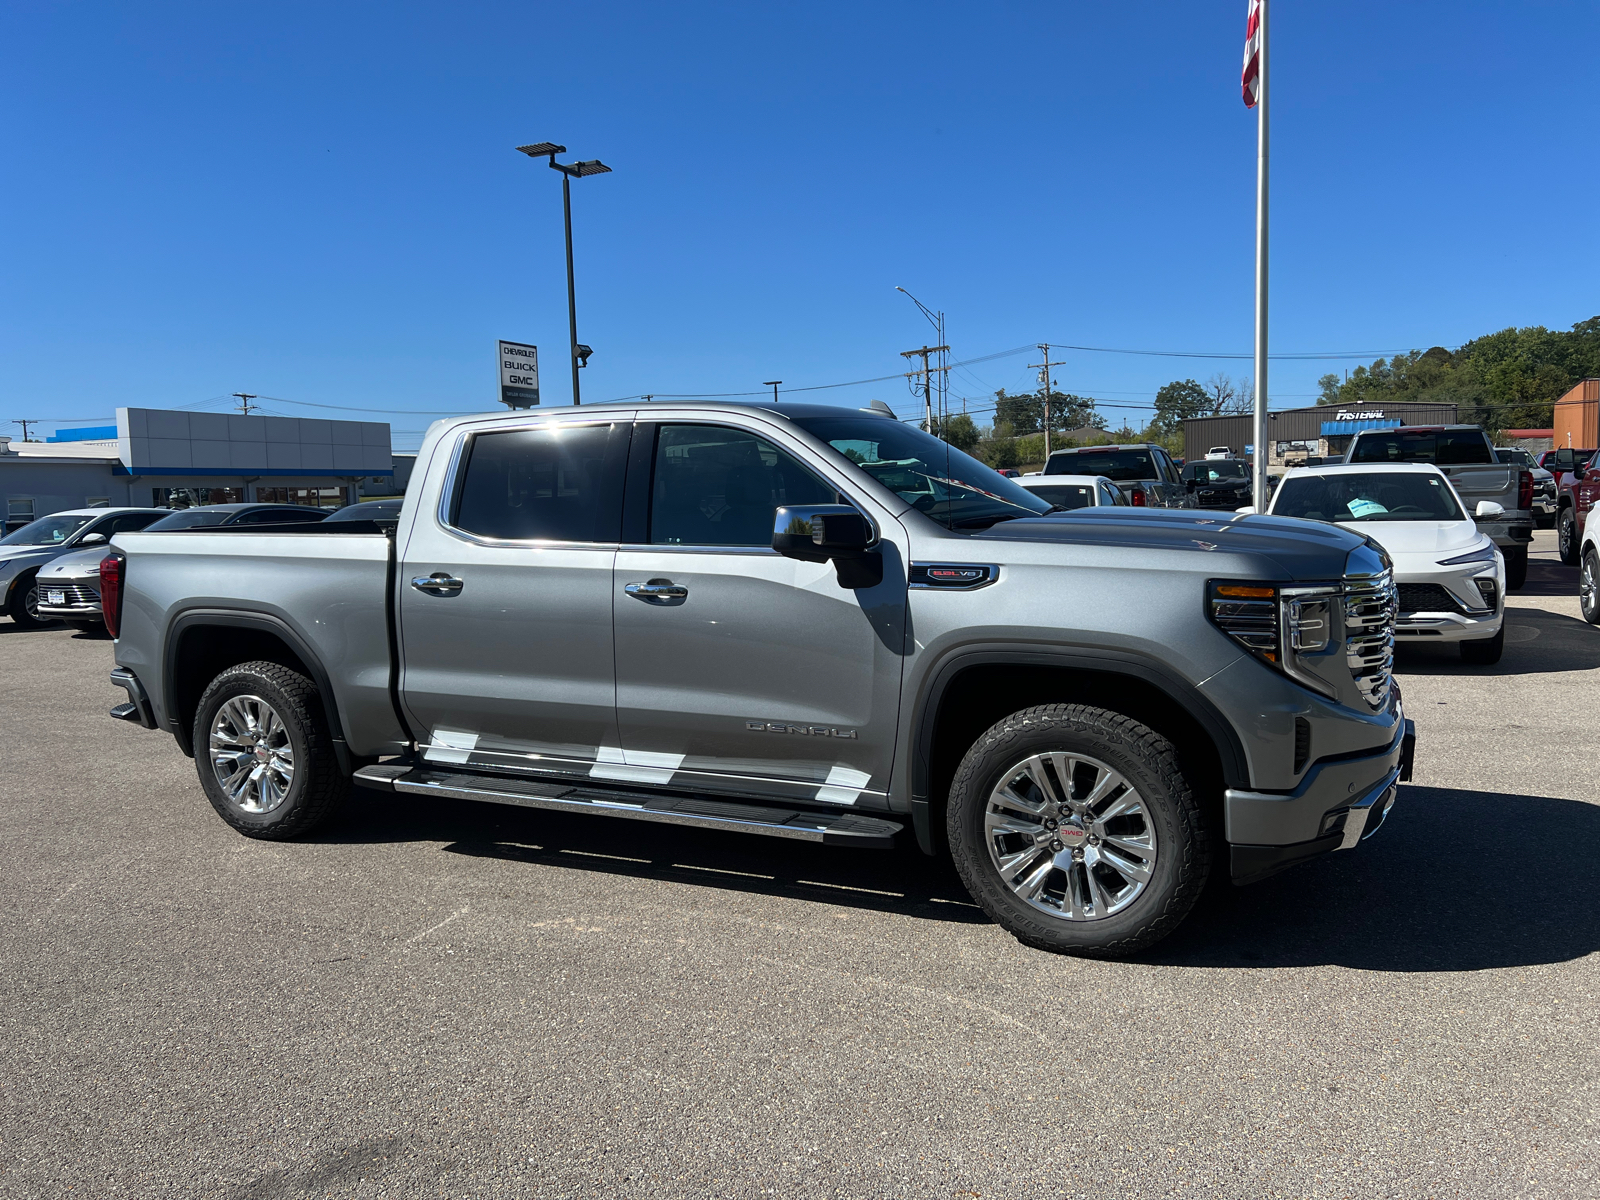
72	612
1338	804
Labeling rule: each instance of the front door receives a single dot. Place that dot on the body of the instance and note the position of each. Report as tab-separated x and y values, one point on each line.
739	670
505	600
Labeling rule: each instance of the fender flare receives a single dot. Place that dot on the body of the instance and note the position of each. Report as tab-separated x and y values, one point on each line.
1230	749
264	623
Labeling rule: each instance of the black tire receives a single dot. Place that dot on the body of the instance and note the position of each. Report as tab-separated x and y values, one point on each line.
1149	763
1589	587
316	787
1567	537
1485	652
1516	567
23	606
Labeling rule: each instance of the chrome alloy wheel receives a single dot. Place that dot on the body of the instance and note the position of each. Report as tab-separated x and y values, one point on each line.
1070	836
251	754
1589	588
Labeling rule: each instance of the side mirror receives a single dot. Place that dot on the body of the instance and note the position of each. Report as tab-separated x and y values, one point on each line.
1488	509
824	532
93	539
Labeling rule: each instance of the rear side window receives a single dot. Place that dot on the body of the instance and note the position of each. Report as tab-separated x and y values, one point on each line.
1117	465
555	483
1445	447
127	523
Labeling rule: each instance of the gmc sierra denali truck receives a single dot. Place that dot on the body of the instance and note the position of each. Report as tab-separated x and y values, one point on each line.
805	622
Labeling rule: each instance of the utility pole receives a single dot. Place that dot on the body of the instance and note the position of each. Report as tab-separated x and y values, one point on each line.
25	424
244	399
1044	385
927	376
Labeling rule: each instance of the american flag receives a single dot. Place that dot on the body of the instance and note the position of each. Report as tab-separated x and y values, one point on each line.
1252	55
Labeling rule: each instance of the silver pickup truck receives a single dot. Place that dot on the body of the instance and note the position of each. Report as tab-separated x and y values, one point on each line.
1467	456
805	622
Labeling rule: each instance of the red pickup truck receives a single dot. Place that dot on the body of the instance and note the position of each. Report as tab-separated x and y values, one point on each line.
1577	475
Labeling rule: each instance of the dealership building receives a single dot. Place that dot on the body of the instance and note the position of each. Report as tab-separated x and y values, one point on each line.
1296	434
165	458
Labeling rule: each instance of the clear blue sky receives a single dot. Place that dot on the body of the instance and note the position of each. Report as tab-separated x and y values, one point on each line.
320	202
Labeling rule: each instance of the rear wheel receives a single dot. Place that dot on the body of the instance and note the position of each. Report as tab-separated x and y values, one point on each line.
1516	567
23	607
1485	652
1076	831
1589	587
1567	536
264	754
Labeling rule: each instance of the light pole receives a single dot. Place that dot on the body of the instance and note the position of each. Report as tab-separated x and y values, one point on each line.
569	171
773	384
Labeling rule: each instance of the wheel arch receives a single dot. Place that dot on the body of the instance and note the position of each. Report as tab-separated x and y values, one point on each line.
974	688
202	643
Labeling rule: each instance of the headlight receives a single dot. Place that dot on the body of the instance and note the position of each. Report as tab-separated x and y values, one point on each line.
1277	624
1484	555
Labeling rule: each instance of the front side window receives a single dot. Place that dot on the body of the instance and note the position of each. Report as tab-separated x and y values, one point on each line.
46	531
932	476
714	485
1381	496
544	484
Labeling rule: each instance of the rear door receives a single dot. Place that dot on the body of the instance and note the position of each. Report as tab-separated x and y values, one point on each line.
738	669
505	598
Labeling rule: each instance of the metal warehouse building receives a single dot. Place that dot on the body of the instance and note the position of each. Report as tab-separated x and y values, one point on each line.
159	457
1296	433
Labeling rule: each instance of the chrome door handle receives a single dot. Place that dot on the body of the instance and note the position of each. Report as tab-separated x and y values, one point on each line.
437	584
657	590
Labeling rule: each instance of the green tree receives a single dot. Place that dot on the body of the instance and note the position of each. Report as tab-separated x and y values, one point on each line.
1177	402
1024	412
959	430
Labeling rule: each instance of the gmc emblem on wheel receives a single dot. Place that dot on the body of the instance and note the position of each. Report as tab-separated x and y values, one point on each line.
803	730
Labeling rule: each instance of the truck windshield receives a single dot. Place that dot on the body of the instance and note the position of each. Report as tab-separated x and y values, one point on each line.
1380	496
932	476
46	531
1212	472
1121	466
1445	447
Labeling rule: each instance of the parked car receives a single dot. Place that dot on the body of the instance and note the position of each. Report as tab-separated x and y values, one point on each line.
1219	482
1589	573
69	587
1577	485
1143	473
1544	484
369	510
798	621
1074	491
24	552
1449	575
1466	456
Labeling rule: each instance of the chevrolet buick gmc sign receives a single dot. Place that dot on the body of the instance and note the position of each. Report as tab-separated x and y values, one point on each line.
519	375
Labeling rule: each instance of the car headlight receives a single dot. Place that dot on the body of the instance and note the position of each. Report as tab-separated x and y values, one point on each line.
1277	624
1483	555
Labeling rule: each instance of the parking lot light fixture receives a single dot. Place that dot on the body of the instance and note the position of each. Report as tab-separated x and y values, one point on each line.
569	171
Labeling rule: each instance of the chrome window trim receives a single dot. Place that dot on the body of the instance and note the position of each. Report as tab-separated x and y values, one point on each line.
452	478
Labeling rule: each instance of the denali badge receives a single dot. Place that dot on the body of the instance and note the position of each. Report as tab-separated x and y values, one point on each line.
806	730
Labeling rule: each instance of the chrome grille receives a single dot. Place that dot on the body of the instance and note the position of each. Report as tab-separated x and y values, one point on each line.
1369	612
73	593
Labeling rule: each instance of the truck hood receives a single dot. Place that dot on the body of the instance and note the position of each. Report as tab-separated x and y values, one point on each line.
1299	549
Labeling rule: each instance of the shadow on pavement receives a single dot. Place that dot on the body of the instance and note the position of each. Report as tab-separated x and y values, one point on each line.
902	880
1549	577
1536	642
1433	890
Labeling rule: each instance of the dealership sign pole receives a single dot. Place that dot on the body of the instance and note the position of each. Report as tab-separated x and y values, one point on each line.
1254	82
519	375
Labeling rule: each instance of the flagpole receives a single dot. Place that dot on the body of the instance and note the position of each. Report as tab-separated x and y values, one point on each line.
1259	471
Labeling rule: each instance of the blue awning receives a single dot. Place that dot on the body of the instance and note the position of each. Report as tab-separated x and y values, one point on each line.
1346	428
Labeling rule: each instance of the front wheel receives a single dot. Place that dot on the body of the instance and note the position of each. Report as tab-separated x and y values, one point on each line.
1076	831
1589	587
23	607
264	754
1567	537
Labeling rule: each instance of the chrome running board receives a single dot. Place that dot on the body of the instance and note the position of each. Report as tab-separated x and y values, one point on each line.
704	812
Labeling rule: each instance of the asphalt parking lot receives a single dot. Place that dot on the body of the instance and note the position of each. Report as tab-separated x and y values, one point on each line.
467	1000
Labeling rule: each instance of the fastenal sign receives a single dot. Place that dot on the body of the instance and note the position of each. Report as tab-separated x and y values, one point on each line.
519	375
